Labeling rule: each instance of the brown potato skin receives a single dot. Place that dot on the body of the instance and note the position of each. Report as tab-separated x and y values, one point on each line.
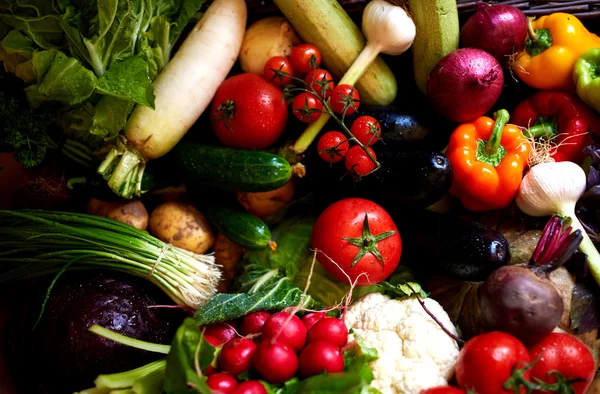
133	213
182	225
227	254
263	204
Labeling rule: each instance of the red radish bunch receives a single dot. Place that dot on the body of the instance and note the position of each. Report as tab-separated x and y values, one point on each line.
276	347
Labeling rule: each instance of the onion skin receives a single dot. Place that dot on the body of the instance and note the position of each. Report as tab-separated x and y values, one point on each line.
516	300
465	84
500	30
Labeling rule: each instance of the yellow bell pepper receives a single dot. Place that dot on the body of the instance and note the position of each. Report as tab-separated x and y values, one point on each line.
555	43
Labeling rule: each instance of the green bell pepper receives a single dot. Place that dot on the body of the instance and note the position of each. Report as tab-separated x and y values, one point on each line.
586	75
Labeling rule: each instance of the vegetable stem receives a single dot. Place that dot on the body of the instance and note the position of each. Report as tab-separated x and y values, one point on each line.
492	147
131	342
587	247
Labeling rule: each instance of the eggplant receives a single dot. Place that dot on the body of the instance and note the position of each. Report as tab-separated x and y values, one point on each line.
409	179
445	245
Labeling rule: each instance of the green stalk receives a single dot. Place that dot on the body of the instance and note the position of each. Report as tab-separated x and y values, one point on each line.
139	380
131	342
123	168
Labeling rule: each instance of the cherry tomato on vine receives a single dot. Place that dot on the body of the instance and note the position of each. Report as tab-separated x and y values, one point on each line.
357	241
321	81
248	112
566	355
366	129
307	108
333	146
358	162
486	363
278	70
345	99
305	57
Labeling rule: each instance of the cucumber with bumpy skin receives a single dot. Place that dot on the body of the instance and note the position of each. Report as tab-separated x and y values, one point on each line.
438	34
230	169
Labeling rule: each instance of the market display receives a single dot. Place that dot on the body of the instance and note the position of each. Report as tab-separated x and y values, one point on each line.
299	196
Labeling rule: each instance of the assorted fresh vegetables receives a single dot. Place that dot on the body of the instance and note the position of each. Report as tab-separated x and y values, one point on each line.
353	211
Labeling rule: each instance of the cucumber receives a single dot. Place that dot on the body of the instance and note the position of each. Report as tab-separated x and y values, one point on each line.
230	169
438	34
325	24
238	225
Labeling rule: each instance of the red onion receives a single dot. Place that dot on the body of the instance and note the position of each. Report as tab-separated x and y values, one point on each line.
465	84
500	30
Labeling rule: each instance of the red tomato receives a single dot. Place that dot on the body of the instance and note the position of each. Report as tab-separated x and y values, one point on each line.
307	108
321	81
565	354
333	146
305	57
345	99
278	70
357	161
486	362
248	112
366	129
443	390
357	241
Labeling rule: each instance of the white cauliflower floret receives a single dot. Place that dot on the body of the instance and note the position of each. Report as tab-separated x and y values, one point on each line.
414	352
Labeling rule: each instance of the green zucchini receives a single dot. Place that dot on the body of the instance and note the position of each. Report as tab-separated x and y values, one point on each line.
325	24
230	169
238	225
438	34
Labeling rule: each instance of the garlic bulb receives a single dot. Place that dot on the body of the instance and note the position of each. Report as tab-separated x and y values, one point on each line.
389	27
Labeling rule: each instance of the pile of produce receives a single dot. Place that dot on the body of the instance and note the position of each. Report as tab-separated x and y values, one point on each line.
299	196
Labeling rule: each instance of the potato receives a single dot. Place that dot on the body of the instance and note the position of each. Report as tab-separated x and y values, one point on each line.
182	225
263	204
129	212
227	254
265	38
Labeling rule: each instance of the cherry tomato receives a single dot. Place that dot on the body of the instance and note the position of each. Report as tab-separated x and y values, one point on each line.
333	146
321	81
345	99
357	241
305	57
366	129
443	390
566	355
278	70
486	362
248	112
357	161
307	108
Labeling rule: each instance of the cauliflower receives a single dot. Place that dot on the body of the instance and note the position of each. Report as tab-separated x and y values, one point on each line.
414	352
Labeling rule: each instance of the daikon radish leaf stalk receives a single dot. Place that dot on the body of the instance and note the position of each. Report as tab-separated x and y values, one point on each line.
553	188
38	243
389	30
183	90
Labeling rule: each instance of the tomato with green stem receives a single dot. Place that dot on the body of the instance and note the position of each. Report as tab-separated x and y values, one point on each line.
321	82
358	162
305	57
366	129
307	108
332	146
345	100
357	241
278	70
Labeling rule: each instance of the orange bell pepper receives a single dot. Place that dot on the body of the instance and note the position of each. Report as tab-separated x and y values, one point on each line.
555	43
488	159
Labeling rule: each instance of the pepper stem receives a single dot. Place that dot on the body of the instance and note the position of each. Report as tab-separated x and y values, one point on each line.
532	34
543	129
492	148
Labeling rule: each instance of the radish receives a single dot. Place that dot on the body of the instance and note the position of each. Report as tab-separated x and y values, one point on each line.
222	331
216	343
275	362
320	356
250	387
331	330
310	319
236	356
222	383
183	90
285	329
254	322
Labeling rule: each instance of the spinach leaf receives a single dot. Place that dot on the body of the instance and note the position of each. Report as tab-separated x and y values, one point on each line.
128	80
181	376
38	19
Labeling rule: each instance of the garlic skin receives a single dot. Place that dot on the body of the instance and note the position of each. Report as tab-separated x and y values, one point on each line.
388	27
551	188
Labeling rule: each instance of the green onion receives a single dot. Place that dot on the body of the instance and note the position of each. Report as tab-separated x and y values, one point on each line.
37	243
